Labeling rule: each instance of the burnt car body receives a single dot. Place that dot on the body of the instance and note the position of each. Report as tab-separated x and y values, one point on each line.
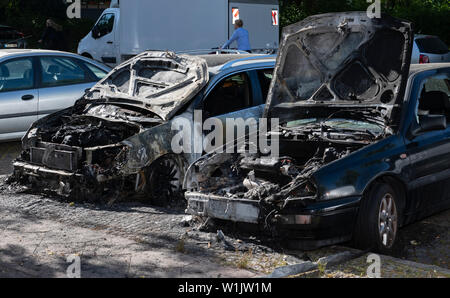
364	143
116	140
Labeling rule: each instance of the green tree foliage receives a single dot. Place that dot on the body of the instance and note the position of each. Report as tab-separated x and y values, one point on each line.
428	16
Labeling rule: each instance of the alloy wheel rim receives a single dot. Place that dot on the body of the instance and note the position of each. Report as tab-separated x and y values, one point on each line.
387	220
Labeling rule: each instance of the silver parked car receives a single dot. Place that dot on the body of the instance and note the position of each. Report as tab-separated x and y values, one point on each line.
429	49
36	83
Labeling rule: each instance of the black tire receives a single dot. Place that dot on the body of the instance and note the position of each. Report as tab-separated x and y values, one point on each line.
378	219
165	181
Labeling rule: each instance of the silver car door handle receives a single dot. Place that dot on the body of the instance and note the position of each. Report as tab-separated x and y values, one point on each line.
27	97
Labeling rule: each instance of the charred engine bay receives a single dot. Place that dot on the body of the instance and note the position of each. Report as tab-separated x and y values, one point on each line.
273	180
82	147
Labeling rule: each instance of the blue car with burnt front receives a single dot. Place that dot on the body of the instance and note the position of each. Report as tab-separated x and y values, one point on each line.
364	146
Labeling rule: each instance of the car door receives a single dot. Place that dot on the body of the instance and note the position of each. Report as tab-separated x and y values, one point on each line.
236	96
429	152
18	97
64	80
104	39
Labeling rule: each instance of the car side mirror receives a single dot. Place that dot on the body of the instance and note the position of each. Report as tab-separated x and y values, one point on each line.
429	123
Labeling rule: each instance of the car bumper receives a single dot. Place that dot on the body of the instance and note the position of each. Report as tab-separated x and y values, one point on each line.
317	224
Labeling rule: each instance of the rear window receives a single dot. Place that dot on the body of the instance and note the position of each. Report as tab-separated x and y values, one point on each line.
8	34
432	45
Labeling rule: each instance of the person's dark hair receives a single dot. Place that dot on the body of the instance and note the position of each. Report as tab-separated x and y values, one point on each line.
239	23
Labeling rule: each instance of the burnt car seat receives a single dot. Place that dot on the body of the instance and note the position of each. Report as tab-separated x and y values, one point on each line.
51	76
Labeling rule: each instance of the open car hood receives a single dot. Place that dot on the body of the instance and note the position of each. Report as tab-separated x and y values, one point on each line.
161	82
341	60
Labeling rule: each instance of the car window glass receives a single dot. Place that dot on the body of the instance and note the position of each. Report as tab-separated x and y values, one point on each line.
59	71
231	94
16	75
99	73
104	26
435	97
265	78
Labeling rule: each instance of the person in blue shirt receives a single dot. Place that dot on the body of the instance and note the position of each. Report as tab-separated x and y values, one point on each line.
240	35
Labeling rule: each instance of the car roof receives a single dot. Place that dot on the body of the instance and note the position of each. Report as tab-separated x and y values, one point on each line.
416	68
221	62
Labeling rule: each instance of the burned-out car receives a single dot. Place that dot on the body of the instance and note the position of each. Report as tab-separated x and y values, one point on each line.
116	141
364	146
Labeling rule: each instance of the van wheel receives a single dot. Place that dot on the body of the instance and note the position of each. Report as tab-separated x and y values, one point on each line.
378	219
165	182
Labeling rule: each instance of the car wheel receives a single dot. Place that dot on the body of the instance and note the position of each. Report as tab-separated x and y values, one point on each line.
165	182
378	219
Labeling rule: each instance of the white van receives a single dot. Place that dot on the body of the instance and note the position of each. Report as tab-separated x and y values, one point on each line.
133	26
